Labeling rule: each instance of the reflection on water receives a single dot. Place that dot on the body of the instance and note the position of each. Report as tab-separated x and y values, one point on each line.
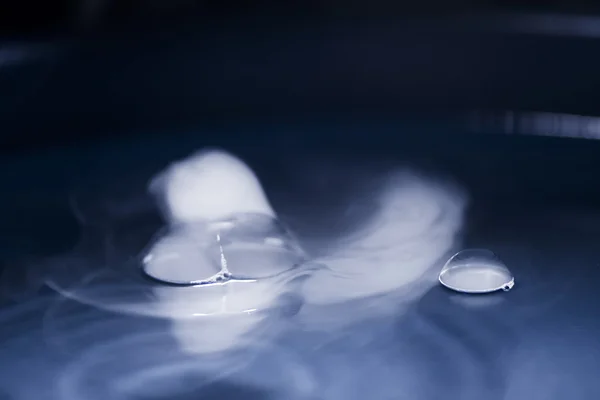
82	353
367	322
406	223
436	348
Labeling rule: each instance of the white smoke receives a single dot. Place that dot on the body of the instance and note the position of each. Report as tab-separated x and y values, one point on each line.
209	185
413	224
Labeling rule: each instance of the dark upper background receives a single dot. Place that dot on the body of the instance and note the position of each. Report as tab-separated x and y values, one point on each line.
43	17
79	70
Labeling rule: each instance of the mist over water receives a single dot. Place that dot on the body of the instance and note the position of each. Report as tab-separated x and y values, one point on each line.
379	265
413	224
360	318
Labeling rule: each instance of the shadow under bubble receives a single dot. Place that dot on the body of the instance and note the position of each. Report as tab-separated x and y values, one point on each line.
217	391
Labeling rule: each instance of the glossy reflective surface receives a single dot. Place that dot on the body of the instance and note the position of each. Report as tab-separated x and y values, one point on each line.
532	200
476	271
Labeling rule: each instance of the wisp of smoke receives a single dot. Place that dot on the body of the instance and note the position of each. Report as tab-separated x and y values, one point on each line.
392	257
78	352
107	269
206	334
366	326
413	223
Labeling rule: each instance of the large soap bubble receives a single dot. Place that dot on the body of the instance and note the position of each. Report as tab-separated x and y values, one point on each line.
242	247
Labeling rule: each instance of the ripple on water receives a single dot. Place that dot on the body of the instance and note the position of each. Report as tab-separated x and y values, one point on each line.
465	348
118	283
147	366
556	362
410	357
545	276
83	353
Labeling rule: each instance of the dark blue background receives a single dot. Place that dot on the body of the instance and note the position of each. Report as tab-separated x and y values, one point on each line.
289	71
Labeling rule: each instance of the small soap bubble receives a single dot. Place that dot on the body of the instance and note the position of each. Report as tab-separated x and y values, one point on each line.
476	271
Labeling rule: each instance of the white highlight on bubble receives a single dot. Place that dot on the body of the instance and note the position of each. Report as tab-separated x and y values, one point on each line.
181	257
